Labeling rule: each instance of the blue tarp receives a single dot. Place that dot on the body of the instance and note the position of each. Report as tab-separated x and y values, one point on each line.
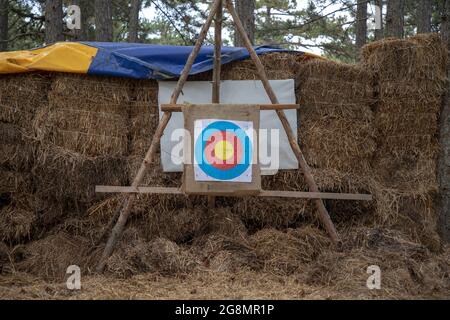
144	61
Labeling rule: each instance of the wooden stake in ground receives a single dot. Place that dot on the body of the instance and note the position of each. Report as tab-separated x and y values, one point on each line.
216	72
323	213
149	157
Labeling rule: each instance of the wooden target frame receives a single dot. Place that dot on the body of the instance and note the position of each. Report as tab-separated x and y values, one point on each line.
131	191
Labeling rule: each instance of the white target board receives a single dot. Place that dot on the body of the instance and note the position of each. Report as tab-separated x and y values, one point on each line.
273	156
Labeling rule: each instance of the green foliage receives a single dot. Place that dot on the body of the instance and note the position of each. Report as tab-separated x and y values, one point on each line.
318	25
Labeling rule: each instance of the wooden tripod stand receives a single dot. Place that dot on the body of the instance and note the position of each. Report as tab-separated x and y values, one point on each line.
216	14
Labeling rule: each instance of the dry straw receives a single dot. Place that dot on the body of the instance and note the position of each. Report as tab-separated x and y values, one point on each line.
109	124
412	77
336	130
20	96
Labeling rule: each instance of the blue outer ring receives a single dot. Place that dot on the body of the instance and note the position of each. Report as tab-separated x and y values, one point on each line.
209	169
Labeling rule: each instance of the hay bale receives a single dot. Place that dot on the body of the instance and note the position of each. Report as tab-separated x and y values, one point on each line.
286	252
278	66
89	133
335	121
87	115
16	224
20	96
281	65
412	76
17	150
98	93
65	176
422	57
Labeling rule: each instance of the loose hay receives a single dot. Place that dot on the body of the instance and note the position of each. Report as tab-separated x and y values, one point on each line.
49	258
286	252
134	255
13	182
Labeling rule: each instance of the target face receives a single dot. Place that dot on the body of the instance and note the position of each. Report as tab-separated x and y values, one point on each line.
223	150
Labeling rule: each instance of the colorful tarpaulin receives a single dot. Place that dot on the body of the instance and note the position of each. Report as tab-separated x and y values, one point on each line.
131	60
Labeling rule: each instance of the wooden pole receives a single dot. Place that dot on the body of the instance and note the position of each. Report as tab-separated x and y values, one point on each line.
194	53
217	54
323	213
179	107
216	71
126	209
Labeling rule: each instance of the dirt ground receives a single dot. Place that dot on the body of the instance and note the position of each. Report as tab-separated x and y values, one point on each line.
210	285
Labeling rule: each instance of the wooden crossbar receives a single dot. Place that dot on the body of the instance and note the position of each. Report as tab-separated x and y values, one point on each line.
264	193
178	107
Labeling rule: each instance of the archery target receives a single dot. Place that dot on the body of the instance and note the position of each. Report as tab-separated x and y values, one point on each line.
223	150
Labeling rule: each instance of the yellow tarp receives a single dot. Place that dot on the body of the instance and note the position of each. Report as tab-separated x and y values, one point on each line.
62	57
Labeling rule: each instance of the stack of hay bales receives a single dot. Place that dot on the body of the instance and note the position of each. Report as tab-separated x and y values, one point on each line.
336	130
20	96
411	78
83	132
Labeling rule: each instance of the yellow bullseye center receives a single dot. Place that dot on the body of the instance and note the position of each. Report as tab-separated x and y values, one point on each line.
223	150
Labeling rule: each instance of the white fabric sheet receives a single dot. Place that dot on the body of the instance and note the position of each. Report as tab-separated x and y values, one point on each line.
234	92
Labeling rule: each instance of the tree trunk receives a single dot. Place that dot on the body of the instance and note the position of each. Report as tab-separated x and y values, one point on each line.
4	25
444	141
361	24
379	32
423	16
103	21
246	12
395	18
134	21
53	21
